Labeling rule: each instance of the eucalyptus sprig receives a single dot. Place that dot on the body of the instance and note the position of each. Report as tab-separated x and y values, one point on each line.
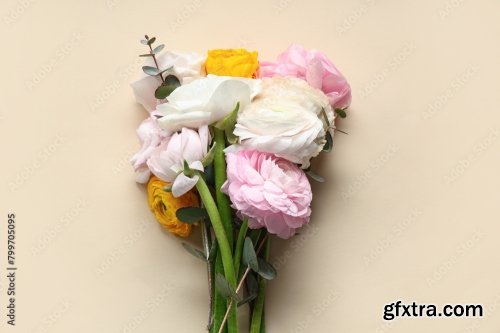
168	83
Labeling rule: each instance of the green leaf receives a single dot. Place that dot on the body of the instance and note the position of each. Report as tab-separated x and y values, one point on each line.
213	252
146	55
172	79
225	289
315	176
144	41
194	251
209	157
171	83
151	40
230	120
167	188
341	112
163	91
329	142
167	69
191	215
252	289
249	256
266	270
158	49
150	70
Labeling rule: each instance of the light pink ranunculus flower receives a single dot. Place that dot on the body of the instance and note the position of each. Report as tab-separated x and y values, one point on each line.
270	191
313	67
151	136
167	160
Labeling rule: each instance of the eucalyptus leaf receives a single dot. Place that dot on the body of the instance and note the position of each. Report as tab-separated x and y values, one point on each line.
144	41
164	91
225	289
158	49
146	55
249	256
191	215
315	176
266	270
341	112
172	79
150	70
329	142
151	40
194	251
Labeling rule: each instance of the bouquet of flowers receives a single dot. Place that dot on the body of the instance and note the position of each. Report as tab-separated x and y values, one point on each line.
226	151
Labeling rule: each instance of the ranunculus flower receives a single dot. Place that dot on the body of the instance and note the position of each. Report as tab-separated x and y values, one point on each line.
270	191
167	160
185	66
205	101
164	205
286	119
314	67
151	136
232	62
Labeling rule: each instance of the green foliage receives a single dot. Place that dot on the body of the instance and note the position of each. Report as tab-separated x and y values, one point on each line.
191	215
225	289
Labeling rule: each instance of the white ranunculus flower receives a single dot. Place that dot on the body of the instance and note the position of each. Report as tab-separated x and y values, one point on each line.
206	101
186	66
286	119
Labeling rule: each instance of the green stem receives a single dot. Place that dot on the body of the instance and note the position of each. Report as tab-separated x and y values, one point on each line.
239	244
220	303
220	233
222	240
220	178
258	310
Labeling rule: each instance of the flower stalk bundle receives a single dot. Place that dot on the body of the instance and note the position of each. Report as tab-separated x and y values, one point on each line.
226	151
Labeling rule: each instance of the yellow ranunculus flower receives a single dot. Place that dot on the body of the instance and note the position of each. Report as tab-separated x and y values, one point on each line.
232	62
164	205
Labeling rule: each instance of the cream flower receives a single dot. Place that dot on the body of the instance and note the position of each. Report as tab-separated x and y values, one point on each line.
205	101
286	119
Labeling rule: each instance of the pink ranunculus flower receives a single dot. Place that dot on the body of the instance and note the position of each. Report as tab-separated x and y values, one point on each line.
270	191
167	160
313	67
150	136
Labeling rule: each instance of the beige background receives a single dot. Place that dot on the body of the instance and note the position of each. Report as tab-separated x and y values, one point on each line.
410	209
